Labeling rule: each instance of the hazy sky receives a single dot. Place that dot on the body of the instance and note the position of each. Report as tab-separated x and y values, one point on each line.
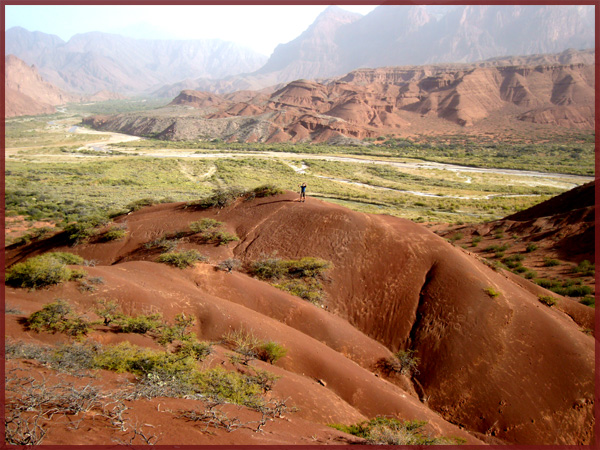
258	27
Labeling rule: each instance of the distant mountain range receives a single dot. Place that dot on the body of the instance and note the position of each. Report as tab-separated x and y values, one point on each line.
336	43
96	61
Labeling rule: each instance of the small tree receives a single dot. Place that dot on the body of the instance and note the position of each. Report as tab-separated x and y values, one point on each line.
107	310
229	264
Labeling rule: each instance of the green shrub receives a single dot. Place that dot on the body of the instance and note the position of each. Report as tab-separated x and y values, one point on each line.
114	234
549	262
67	258
140	324
531	247
197	350
230	264
107	310
58	317
271	351
182	259
547	300
126	357
219	198
588	300
230	386
565	288
243	342
163	243
136	205
476	240
205	225
390	431
308	289
491	292
224	237
85	228
404	362
178	331
456	237
40	271
530	274
585	268
266	190
497	248
307	267
268	268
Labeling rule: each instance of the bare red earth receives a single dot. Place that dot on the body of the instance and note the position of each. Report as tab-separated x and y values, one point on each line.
504	369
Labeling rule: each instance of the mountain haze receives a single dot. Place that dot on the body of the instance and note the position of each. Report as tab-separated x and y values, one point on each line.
27	93
339	42
94	61
336	43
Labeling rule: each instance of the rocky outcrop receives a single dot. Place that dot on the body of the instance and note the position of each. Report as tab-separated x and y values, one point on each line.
371	102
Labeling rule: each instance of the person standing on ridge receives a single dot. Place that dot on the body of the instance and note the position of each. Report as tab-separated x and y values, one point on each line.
302	192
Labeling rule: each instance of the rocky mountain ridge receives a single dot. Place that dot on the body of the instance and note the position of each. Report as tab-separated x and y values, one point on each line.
339	42
371	102
336	43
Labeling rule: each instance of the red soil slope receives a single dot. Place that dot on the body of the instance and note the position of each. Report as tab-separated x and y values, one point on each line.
506	368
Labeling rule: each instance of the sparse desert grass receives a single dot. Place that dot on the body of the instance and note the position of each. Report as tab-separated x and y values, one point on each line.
531	248
569	288
585	269
391	431
588	300
114	233
210	230
550	262
299	277
246	344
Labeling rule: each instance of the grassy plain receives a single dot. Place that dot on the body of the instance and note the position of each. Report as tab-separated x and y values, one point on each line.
59	172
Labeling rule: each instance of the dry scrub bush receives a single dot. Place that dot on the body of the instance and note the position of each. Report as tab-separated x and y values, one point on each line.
58	317
390	431
250	347
182	259
43	270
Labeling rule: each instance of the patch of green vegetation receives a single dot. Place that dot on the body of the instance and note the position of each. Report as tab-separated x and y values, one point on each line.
41	271
569	288
209	230
585	268
491	292
547	300
531	247
139	324
114	234
299	277
549	262
246	344
476	240
58	317
588	300
182	259
81	231
455	237
391	431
